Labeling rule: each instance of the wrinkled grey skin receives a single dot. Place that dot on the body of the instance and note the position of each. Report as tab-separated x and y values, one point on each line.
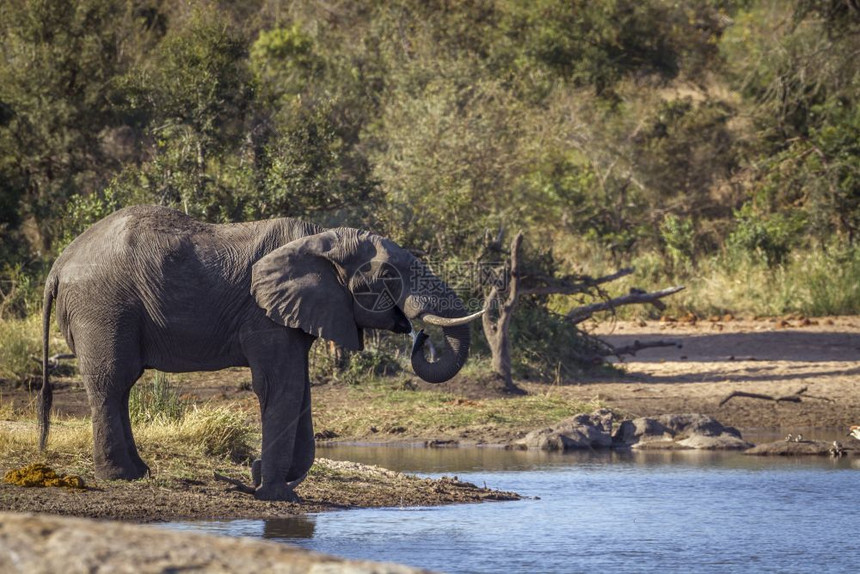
150	288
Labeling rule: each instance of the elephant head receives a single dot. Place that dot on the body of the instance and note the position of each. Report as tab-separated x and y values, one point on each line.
336	283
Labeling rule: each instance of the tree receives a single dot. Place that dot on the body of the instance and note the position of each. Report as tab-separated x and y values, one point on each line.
57	63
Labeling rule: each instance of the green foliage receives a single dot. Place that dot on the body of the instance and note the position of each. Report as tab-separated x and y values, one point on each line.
547	346
20	349
283	62
370	363
154	399
82	211
20	292
311	168
769	238
679	237
611	130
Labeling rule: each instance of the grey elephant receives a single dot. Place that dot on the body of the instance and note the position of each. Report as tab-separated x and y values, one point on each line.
151	288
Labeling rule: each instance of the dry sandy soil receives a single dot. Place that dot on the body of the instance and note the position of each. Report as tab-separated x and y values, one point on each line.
774	357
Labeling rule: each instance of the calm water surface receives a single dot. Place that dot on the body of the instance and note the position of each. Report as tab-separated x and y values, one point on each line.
641	512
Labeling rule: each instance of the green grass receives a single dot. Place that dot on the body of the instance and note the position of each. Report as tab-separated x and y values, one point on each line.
21	348
155	398
204	435
810	282
392	409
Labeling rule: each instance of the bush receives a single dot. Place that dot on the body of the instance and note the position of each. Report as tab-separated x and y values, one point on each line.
156	399
679	236
547	346
219	432
769	237
20	349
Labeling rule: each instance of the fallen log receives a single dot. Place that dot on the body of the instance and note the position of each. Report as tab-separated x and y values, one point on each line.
635	296
638	346
237	484
792	398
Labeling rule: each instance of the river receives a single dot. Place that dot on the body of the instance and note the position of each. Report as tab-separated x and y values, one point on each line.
683	511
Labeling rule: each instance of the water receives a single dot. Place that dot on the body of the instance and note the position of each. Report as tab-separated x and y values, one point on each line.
639	512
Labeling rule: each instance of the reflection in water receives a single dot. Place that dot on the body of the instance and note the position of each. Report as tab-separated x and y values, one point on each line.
677	511
289	528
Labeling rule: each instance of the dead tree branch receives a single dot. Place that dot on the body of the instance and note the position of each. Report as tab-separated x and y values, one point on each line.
237	484
584	284
796	397
638	346
580	314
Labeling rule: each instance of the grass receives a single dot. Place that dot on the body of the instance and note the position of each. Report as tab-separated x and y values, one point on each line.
20	344
156	398
21	348
390	407
205	435
813	283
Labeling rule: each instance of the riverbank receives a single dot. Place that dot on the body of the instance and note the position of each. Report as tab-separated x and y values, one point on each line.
775	357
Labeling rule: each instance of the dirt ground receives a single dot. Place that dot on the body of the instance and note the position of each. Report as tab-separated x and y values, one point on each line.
333	485
775	357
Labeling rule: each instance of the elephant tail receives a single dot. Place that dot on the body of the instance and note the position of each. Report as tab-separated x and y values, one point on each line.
46	396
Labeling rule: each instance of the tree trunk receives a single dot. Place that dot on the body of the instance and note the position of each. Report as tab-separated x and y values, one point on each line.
498	332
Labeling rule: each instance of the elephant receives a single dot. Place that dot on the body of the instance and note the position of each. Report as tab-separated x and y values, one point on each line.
149	287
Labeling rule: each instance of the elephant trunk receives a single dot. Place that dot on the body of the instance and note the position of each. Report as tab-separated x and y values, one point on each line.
456	348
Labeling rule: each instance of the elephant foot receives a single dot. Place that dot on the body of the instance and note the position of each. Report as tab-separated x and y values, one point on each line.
276	492
116	472
142	469
257	472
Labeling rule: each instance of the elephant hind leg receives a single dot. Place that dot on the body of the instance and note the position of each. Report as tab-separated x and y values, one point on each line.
114	451
141	466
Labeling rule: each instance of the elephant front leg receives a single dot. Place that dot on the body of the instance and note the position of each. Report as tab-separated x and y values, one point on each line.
284	426
269	472
303	448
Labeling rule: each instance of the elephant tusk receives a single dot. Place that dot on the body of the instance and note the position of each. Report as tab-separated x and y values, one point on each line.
447	322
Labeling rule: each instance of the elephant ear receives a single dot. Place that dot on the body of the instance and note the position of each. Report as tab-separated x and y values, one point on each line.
299	286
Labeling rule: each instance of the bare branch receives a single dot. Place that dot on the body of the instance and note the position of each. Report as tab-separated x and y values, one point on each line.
793	398
580	314
586	283
237	484
54	360
638	346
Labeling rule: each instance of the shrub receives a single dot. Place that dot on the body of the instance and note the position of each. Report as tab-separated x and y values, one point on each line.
219	432
769	237
20	344
155	400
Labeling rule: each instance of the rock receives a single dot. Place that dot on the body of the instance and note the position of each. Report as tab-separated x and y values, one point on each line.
791	448
721	442
640	430
36	544
666	432
678	431
582	431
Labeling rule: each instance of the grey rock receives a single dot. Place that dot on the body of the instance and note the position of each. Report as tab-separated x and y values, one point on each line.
791	448
582	431
678	431
37	544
